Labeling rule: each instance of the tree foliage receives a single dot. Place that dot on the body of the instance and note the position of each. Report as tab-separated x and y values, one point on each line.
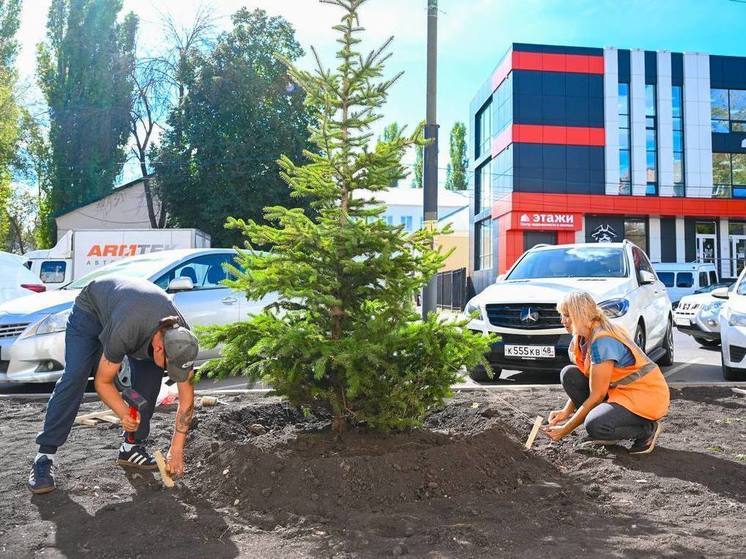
239	113
344	332
456	178
85	68
419	163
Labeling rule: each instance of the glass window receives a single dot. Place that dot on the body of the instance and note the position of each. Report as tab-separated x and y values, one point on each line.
705	228
623	99
483	244
703	279
406	221
721	168
585	262
623	138
719	104
678	168
737	105
676	101
624	168
134	267
650	139
53	271
685	279
713	277
738	126
666	278
484	187
625	185
206	271
738	162
652	167
484	129
720	126
635	231
650	100
678	142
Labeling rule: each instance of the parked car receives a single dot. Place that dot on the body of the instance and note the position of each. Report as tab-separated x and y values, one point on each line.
15	279
698	315
732	320
521	306
32	329
685	279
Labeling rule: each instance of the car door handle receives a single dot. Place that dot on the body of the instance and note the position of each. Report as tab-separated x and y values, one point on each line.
229	300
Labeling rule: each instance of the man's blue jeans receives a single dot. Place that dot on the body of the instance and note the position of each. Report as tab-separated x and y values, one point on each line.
82	354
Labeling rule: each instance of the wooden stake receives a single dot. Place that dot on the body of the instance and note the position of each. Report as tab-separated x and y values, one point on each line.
739	391
95	414
88	422
534	431
165	478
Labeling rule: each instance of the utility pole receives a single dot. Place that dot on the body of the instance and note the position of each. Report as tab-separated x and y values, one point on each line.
430	164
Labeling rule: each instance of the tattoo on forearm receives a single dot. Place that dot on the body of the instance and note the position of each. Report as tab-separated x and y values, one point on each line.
184	419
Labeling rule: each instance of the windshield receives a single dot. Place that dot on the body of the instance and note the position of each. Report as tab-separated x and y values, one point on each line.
585	262
143	267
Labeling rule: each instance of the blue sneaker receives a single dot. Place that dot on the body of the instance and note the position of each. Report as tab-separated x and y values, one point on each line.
41	479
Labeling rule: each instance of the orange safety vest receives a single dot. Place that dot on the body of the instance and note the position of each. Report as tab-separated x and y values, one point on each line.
641	387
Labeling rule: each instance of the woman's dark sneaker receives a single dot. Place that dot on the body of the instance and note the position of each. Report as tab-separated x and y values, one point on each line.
589	442
646	445
136	457
41	478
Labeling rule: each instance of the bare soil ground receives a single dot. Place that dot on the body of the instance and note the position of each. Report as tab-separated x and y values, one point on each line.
463	486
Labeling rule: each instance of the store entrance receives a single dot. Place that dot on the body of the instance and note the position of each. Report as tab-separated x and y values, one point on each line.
738	253
706	248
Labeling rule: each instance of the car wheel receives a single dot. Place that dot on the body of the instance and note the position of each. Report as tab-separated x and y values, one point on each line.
667	357
480	374
124	376
731	373
706	343
639	338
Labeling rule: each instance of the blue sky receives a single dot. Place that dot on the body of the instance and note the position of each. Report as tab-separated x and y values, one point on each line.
473	35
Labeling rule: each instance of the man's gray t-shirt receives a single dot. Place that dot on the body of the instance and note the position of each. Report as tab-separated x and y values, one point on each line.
129	310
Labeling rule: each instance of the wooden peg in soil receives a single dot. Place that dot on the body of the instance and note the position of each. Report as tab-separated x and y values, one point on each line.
207	401
534	431
165	478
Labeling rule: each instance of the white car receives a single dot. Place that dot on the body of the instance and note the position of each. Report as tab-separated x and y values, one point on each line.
15	279
521	306
698	315
32	329
733	329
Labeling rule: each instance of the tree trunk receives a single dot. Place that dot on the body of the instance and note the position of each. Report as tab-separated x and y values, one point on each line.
154	223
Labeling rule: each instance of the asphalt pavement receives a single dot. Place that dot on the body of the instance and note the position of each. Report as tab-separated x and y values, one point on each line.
693	363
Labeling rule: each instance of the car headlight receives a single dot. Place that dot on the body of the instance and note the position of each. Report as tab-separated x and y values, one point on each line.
472	307
712	308
614	308
56	322
737	319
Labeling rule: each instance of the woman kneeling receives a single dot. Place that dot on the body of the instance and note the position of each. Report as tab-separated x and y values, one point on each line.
613	387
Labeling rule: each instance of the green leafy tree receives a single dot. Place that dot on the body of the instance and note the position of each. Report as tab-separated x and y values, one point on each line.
239	113
390	134
344	332
9	110
457	166
85	68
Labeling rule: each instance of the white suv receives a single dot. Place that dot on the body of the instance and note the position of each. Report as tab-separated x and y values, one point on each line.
521	306
733	329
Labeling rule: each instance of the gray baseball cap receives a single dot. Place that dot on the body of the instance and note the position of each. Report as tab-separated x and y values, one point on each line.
181	348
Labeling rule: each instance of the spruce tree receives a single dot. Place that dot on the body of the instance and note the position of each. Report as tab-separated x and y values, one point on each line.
344	333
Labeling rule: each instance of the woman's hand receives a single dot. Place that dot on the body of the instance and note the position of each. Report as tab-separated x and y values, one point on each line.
555	432
556	416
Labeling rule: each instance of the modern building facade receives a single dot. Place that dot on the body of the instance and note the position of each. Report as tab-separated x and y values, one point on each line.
575	144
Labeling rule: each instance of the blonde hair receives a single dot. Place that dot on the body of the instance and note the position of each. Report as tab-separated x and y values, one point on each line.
582	309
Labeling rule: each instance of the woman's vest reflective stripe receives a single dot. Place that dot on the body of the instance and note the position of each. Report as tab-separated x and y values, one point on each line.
641	387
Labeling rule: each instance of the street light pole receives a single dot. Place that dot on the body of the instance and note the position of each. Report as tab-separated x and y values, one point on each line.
430	164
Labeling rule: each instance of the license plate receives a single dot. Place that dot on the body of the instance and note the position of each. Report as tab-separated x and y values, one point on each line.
530	351
682	321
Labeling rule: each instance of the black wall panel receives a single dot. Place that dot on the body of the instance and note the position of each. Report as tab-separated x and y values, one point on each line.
668	239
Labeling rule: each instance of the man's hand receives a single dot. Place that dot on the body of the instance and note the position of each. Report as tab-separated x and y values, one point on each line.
128	424
555	432
175	461
556	416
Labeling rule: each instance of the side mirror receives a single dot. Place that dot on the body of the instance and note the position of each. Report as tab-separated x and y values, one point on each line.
720	293
500	278
647	277
180	284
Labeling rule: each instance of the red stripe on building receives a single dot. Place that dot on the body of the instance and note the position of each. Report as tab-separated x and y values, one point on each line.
562	135
574	63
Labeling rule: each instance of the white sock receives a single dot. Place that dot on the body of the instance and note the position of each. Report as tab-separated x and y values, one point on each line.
41	455
126	447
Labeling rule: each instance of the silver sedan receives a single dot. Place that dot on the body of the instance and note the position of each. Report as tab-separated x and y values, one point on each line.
32	329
